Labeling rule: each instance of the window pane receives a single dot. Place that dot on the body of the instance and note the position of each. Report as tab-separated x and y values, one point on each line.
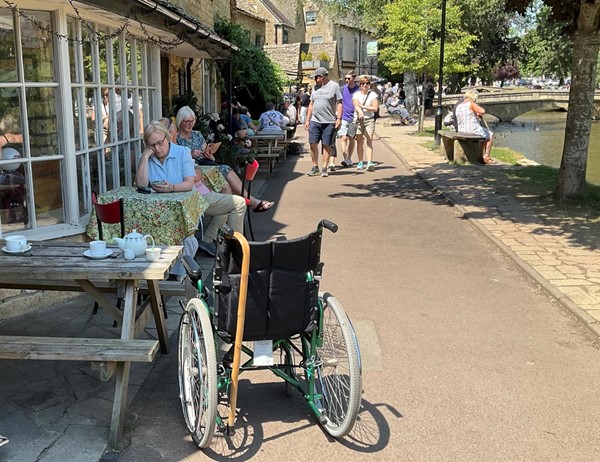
87	54
82	194
138	52
10	116
90	118
43	127
47	181
14	211
73	50
77	125
38	59
8	62
102	56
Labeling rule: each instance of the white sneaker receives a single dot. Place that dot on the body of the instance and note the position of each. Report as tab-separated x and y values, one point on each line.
324	173
359	166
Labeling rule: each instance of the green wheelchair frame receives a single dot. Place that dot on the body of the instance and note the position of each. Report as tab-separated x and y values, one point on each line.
328	375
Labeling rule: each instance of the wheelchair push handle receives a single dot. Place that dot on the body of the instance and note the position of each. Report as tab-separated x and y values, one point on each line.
330	225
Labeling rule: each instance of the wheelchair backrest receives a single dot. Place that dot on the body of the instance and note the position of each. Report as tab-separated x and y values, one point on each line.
282	298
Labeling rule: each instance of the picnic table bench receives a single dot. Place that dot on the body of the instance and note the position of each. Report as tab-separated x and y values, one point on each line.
63	266
462	147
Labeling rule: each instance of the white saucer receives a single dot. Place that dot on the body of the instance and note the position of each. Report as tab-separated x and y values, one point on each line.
87	254
16	252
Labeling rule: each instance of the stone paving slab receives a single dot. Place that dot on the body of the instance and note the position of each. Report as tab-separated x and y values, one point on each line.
564	263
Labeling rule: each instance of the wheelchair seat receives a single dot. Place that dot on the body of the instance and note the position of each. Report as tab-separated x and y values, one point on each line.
282	298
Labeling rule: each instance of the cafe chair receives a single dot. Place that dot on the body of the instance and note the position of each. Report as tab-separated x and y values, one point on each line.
249	174
109	213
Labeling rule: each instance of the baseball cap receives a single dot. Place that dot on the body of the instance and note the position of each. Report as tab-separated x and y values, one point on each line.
320	71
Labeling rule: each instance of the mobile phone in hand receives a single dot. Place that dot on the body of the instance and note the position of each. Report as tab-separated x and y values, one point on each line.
159	183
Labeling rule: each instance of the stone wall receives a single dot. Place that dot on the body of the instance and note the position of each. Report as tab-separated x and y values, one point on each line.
287	57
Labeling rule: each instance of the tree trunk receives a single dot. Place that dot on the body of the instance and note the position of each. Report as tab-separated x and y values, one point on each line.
586	43
410	88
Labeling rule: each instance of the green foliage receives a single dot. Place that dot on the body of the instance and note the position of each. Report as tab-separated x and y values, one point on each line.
252	70
410	38
306	56
322	56
549	50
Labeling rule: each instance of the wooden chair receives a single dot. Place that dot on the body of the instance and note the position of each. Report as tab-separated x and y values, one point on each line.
109	213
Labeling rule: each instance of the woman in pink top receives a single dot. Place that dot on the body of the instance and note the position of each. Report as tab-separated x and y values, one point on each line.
468	114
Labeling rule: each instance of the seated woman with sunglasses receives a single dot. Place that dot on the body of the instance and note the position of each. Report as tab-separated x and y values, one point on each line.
167	168
193	139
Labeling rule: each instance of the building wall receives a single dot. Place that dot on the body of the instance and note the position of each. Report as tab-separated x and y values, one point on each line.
253	25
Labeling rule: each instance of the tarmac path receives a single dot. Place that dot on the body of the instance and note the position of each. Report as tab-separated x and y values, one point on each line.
465	358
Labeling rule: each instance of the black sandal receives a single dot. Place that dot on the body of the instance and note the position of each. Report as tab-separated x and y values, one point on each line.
263	206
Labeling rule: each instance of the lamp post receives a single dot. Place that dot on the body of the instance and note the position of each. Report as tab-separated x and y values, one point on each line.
439	111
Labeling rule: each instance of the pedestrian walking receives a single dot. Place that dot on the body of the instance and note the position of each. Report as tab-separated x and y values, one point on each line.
366	104
347	130
323	118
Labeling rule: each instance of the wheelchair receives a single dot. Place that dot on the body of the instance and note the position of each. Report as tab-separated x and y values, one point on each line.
266	305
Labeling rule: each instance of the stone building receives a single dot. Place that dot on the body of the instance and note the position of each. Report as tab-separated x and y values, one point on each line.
68	76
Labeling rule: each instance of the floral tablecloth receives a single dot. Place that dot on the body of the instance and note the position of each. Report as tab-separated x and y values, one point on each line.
169	217
212	178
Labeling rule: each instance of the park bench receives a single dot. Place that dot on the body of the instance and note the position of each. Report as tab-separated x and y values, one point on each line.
462	147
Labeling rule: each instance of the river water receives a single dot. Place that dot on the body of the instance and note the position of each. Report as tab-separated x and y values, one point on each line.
539	136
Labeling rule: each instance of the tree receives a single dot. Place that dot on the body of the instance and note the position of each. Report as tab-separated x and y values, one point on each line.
582	19
548	50
506	71
410	38
253	73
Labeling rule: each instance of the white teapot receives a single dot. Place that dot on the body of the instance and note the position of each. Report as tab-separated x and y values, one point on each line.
134	241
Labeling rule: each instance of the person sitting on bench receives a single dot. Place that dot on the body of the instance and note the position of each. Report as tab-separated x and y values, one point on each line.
468	116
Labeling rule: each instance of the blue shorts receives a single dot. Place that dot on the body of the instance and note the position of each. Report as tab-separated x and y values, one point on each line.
324	133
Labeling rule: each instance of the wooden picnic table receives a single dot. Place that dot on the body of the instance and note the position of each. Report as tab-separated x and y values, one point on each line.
66	264
269	142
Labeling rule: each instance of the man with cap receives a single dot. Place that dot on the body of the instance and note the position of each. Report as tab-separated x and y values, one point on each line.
323	117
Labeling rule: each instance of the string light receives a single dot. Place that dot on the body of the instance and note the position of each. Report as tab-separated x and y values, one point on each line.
97	36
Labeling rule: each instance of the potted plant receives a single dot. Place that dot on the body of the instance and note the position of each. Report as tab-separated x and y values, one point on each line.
307	59
323	60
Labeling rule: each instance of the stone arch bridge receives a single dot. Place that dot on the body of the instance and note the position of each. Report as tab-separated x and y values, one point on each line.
509	104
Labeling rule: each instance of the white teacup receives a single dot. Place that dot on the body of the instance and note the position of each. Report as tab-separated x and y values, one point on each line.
153	254
98	248
16	243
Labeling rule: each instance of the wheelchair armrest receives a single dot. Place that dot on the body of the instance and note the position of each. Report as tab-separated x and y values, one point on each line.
192	269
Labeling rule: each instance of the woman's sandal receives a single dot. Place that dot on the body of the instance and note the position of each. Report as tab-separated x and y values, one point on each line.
488	160
263	206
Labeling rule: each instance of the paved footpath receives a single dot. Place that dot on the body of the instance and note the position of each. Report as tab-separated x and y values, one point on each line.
548	248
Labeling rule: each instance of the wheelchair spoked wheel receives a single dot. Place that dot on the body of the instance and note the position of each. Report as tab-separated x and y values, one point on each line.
338	373
198	372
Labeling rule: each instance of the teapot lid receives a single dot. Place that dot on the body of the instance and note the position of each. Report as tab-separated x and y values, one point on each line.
133	234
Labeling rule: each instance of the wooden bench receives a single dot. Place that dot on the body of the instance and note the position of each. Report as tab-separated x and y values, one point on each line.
462	147
102	352
271	158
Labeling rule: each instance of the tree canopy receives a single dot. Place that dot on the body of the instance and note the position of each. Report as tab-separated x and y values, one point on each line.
410	37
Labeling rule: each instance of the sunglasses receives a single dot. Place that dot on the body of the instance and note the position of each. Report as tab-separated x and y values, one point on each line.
350	78
366	83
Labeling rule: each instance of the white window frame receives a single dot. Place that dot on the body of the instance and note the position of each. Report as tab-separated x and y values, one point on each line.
75	220
310	17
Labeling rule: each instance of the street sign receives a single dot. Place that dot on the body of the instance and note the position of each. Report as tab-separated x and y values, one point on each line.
372	48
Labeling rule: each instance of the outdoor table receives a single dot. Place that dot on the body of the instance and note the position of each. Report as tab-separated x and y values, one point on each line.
168	217
65	264
270	139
